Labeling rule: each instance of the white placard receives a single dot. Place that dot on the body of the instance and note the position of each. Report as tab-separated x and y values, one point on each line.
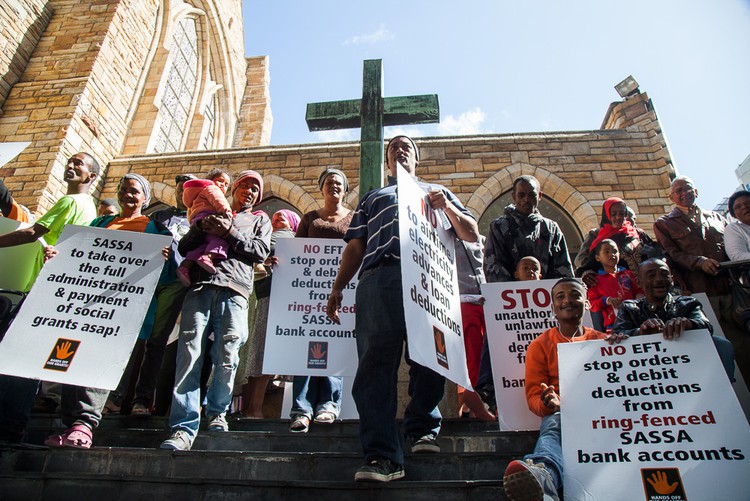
651	419
516	313
432	306
300	339
9	151
81	319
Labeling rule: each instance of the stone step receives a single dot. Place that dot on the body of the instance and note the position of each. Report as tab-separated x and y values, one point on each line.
74	487
274	435
240	465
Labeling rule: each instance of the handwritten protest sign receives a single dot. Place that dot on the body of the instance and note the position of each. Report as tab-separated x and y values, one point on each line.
300	339
80	321
432	304
651	419
516	313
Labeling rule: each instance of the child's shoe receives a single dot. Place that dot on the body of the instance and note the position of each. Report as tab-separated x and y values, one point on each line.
206	263
183	274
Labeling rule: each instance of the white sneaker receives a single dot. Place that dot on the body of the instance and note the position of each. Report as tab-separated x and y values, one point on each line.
179	441
218	423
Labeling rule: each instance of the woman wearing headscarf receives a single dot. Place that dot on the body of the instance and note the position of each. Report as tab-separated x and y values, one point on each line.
82	407
318	398
634	244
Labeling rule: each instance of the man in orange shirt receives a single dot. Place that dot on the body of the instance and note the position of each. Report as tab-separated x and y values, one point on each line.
539	475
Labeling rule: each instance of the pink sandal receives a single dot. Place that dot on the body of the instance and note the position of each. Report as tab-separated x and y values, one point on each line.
78	436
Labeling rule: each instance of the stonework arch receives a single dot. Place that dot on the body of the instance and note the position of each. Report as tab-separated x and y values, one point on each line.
277	186
553	187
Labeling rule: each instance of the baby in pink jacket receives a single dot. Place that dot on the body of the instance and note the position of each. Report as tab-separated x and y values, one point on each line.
204	197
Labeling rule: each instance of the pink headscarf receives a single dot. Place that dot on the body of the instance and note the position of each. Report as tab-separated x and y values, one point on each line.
291	217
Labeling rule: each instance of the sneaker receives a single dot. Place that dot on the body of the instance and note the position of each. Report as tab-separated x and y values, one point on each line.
139	409
206	263
426	443
529	481
218	423
179	441
379	470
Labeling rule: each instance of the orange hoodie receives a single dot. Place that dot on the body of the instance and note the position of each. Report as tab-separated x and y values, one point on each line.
541	365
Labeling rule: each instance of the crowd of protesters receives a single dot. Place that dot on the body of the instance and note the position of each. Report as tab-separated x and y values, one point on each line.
217	278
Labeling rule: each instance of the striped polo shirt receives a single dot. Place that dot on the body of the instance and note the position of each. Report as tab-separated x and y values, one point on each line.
376	222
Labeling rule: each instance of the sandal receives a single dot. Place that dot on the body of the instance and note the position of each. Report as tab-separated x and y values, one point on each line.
77	436
300	424
325	417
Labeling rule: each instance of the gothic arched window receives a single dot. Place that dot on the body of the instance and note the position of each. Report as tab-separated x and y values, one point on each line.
178	92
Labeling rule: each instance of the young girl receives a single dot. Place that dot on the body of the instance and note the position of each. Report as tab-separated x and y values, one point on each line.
613	283
204	197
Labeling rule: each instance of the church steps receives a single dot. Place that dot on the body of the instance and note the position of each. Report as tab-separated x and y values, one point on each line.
258	459
74	487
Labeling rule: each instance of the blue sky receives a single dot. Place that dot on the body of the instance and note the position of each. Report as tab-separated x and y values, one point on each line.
504	67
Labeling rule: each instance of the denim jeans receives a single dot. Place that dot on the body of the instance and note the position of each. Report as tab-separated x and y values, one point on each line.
315	394
726	353
207	309
381	332
548	449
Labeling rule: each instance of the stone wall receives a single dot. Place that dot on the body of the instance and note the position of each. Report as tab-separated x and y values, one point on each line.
577	170
22	23
255	122
75	92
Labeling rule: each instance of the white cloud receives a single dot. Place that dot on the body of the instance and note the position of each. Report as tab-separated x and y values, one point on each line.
334	136
380	35
546	122
403	130
468	122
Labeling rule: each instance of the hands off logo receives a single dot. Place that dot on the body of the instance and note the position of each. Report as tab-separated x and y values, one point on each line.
663	484
317	355
62	355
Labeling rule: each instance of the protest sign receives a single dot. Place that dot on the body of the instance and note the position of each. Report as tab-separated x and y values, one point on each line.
651	419
18	275
432	306
80	321
300	339
516	313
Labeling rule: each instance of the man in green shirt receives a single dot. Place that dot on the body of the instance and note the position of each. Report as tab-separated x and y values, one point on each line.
76	207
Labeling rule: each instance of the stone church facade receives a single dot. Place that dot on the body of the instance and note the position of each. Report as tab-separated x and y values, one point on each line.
162	87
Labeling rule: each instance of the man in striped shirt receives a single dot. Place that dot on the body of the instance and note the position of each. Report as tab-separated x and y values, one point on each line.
373	242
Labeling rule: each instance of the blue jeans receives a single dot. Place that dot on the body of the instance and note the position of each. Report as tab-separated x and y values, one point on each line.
726	353
207	309
548	449
315	394
381	332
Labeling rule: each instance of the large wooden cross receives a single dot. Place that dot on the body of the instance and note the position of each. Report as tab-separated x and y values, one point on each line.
371	114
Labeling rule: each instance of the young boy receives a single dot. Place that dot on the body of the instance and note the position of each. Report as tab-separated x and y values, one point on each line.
528	268
539	475
614	284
